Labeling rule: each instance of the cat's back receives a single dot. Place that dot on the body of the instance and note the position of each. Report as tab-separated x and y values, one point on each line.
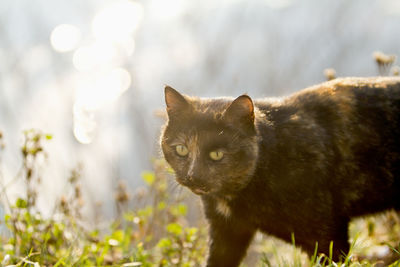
344	133
362	107
340	91
340	102
382	92
351	117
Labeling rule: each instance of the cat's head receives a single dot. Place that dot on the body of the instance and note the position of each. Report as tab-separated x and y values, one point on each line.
211	144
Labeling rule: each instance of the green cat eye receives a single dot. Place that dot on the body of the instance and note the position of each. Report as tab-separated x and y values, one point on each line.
216	155
181	150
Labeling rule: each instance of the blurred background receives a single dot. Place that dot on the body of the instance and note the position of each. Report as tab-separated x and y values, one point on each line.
91	73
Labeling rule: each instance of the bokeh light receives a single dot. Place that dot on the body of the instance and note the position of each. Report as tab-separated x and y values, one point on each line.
94	93
84	124
100	61
65	38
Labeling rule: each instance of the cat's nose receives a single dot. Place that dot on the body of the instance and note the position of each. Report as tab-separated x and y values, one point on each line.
191	178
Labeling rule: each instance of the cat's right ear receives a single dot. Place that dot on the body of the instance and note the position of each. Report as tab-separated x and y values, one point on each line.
241	110
176	103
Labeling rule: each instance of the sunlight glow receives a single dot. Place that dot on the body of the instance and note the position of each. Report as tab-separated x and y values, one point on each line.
117	21
94	56
93	94
128	45
96	92
84	124
65	38
103	81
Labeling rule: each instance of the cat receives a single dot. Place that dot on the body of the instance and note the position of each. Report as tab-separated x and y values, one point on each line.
302	165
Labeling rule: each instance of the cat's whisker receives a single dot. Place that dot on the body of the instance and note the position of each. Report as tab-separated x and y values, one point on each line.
172	184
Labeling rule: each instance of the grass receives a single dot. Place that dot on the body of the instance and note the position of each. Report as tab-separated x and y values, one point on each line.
156	232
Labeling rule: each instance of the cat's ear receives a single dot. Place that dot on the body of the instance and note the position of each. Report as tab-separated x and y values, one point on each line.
241	110
176	103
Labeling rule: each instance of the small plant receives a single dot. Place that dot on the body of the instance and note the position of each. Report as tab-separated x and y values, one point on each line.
156	232
384	62
330	74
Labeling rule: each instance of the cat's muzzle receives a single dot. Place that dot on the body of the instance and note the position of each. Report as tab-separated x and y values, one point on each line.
194	186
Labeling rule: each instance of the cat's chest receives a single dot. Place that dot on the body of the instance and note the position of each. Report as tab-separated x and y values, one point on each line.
250	208
232	209
223	207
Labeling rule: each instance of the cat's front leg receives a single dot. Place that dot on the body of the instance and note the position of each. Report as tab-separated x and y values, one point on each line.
229	241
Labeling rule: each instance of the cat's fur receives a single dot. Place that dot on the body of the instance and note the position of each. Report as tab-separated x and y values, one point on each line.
305	165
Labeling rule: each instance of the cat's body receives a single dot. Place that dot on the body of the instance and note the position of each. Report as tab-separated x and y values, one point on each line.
305	165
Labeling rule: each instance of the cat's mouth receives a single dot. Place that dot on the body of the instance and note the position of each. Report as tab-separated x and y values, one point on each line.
199	191
195	188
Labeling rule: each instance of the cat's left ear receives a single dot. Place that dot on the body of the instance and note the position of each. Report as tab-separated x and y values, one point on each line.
241	110
176	103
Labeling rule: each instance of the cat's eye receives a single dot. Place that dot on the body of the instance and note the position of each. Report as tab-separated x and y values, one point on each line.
181	150
216	155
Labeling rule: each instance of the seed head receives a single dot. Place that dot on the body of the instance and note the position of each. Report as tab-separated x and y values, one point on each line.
330	74
384	61
122	195
396	70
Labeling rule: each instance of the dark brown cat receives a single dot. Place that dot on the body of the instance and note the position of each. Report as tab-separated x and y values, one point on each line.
304	165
